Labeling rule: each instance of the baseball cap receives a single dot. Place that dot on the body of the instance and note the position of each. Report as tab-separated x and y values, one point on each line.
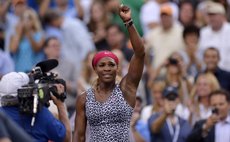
11	82
166	9
215	8
170	93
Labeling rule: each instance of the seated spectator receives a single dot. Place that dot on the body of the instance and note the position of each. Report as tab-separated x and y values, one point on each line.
211	60
216	128
200	107
167	126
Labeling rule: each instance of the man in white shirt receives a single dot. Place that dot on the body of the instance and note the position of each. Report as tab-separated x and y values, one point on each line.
216	34
217	127
165	38
150	13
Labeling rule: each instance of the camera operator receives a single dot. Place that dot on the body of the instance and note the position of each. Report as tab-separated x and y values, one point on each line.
217	127
46	126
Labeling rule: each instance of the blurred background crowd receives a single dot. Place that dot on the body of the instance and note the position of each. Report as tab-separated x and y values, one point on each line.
187	47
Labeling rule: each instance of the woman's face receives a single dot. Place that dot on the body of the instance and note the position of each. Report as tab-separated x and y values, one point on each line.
203	86
173	69
97	12
186	13
106	69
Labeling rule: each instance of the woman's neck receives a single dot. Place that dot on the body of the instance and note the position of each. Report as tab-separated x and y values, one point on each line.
106	87
204	101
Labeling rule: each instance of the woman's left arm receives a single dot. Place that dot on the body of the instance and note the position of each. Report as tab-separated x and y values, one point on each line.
131	81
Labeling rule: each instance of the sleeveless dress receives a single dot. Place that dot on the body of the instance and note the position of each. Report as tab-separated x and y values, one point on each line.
109	121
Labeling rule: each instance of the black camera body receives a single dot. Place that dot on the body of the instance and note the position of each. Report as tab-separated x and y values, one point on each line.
37	93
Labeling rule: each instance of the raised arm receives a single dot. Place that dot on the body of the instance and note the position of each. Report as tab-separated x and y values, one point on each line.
131	81
80	119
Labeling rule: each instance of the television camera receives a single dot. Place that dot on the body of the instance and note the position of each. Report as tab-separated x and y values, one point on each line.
37	93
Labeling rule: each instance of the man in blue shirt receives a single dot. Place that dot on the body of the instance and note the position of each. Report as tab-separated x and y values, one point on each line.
46	126
166	126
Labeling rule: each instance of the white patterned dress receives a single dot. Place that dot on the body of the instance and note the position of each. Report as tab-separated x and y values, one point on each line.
109	121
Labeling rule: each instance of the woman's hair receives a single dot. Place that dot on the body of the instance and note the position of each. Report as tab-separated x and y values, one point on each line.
191	29
48	40
211	79
87	70
33	16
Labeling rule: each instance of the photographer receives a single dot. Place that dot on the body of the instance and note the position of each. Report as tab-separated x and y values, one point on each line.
168	126
217	127
46	127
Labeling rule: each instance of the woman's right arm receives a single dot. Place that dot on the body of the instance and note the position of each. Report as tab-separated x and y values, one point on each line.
80	119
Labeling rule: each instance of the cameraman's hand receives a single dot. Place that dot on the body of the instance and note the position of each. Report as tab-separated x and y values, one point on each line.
60	90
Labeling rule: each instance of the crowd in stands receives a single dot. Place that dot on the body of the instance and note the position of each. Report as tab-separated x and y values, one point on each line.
187	46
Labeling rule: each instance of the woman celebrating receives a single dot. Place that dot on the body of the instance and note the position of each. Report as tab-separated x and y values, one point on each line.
108	106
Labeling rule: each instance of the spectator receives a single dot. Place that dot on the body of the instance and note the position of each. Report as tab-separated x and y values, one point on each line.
162	38
98	22
63	7
216	34
191	36
65	70
211	59
6	62
150	13
88	75
116	40
138	126
157	88
216	128
175	76
10	20
123	66
26	44
186	13
77	42
166	126
200	107
46	127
